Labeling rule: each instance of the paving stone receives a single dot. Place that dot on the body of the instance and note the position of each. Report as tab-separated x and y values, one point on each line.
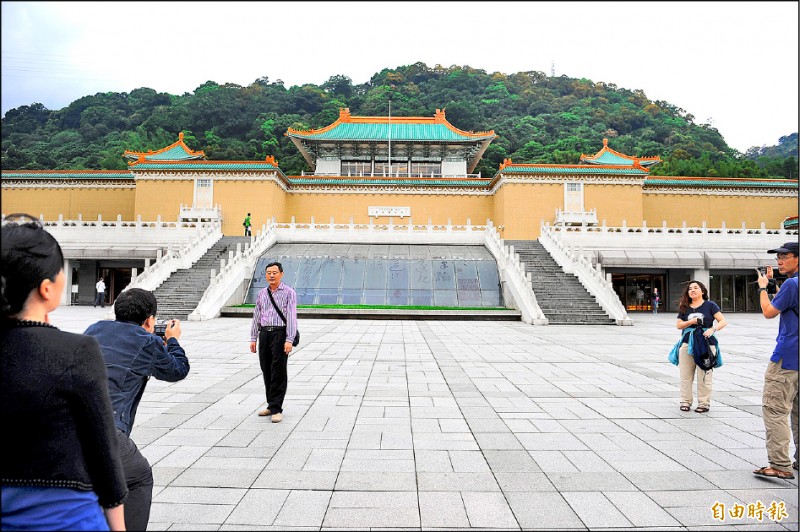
488	510
443	510
456	425
595	510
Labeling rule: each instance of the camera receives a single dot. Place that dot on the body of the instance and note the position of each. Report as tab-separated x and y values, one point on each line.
160	328
772	288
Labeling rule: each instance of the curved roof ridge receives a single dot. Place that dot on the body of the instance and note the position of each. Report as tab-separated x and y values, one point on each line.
346	118
139	156
595	159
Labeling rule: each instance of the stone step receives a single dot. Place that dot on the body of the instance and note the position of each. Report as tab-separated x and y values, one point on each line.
560	295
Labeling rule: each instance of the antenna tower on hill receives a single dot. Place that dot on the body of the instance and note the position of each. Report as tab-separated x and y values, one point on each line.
552	69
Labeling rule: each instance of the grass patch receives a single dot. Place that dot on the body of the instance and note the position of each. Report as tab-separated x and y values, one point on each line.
382	307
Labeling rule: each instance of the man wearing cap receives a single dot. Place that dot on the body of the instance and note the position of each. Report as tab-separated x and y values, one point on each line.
780	381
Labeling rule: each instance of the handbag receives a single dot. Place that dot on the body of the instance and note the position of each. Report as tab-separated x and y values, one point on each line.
297	333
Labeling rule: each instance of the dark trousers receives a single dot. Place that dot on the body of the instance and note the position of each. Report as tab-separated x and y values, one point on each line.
139	477
273	366
100	299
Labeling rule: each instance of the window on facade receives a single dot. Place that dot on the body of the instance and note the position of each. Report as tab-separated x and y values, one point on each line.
573	197
399	168
356	168
430	169
203	193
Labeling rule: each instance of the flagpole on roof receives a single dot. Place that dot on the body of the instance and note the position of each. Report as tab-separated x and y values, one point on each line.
390	134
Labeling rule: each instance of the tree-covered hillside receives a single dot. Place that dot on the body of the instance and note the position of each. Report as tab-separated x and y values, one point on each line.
538	119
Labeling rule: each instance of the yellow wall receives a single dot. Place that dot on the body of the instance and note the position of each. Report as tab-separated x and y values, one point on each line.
733	210
70	202
262	199
437	208
520	208
614	203
154	198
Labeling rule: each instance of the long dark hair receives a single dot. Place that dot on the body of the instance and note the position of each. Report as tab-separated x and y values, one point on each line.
683	305
29	256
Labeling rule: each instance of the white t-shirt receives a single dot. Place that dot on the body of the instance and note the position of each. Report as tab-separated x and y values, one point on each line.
101	286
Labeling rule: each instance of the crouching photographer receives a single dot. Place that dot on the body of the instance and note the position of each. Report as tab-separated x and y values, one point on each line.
134	351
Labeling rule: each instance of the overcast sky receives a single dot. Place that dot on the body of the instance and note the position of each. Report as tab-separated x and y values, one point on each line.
731	64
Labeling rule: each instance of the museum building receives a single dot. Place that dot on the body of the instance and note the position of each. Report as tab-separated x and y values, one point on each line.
420	170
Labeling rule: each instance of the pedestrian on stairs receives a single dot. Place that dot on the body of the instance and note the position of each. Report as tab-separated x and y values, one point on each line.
247	225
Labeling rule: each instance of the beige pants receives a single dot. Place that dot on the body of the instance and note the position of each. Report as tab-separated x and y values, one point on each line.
780	398
688	368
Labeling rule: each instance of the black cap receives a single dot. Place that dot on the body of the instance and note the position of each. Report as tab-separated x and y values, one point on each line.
789	247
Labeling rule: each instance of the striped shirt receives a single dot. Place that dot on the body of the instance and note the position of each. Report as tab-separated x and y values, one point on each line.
266	315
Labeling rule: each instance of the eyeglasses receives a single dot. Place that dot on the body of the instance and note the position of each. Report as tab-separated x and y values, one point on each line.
20	218
784	256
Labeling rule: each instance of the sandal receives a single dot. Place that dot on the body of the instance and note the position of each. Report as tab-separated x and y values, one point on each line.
773	473
701	409
685	408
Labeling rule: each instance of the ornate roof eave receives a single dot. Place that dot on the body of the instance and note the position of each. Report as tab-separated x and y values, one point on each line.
66	174
509	167
640	161
298	142
346	118
268	164
136	156
720	182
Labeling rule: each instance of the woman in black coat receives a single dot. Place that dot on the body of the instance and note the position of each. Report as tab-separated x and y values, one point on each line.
60	465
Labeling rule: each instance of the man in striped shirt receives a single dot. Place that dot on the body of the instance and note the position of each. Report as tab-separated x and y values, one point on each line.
274	337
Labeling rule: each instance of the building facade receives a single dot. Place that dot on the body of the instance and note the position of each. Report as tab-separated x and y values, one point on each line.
364	169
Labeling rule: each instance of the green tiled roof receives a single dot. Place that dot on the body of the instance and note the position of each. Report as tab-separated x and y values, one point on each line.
722	182
399	132
611	158
204	166
571	170
176	153
66	174
404	182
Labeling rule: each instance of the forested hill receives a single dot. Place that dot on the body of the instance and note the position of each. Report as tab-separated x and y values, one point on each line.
538	119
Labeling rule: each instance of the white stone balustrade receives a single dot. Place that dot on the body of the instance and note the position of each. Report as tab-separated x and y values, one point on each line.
238	270
515	281
174	259
389	233
592	278
234	274
120	239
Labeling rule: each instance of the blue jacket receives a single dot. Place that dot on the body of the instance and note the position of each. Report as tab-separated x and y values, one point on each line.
690	334
132	355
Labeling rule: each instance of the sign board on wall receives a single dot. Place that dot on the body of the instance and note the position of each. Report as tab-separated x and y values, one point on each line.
389	211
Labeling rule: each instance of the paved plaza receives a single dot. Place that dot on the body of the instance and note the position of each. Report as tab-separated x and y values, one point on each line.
460	424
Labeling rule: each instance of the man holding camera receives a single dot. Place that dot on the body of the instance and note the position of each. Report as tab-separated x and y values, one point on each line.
780	381
133	353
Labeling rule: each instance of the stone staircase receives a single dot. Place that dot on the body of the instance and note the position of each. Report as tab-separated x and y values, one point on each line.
561	296
179	295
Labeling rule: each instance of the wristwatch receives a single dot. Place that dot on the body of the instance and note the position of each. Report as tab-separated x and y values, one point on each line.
760	289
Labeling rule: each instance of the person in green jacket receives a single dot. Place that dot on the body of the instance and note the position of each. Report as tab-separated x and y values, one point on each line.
246	225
